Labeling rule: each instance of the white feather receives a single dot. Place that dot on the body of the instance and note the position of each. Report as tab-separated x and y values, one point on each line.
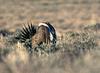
40	24
51	36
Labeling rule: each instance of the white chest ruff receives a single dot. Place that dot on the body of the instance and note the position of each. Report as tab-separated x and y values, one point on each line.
51	37
40	24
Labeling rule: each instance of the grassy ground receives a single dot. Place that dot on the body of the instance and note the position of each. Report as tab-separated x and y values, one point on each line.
78	44
76	52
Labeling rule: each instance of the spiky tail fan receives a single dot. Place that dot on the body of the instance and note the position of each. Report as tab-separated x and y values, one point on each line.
25	35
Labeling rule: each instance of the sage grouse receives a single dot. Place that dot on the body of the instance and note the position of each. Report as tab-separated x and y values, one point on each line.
32	36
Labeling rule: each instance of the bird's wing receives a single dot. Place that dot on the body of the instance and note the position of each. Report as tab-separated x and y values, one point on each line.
37	39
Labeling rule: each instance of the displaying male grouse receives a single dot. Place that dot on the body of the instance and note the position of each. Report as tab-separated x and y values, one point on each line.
44	33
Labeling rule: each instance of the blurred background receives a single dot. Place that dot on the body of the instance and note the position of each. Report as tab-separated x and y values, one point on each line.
63	14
